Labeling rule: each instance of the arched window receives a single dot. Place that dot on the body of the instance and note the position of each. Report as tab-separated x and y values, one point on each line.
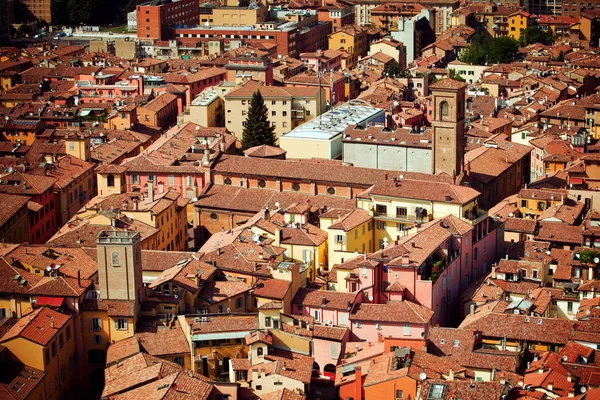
110	180
115	259
259	351
444	109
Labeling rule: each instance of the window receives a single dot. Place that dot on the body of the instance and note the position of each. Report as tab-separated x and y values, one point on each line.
258	387
262	183
114	258
134	179
377	325
121	324
72	146
273	113
357	324
456	343
171	180
284	113
406	330
380	209
95	324
317	315
268	322
220	309
47	356
436	392
273	102
381	225
152	178
97	339
475	254
243	102
110	180
275	324
570	306
53	349
401	212
61	341
399	394
178	360
335	350
339	239
259	351
68	333
444	109
238	302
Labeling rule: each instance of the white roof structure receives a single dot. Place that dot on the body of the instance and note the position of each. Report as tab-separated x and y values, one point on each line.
334	122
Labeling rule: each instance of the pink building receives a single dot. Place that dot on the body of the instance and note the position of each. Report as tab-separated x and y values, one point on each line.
435	265
105	88
323	60
331	308
328	346
396	319
362	276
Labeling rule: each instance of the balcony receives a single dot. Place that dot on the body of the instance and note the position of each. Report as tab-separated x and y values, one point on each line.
408	218
474	216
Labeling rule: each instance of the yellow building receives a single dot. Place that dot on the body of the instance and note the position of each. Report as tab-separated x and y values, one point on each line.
164	211
517	21
20	381
533	202
111	180
348	233
44	339
351	39
399	204
207	109
239	16
288	107
78	146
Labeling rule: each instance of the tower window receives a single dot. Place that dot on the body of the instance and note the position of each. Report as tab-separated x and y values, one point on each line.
115	259
110	181
444	109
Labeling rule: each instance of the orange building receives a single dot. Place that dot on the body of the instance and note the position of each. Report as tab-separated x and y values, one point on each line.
155	19
160	112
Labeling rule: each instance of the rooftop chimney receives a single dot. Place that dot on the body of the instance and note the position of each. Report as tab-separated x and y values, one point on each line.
150	192
206	157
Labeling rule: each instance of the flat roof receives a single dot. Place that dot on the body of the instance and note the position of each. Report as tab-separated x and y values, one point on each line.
334	122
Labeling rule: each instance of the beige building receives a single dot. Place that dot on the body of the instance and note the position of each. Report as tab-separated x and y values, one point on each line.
239	16
288	107
207	109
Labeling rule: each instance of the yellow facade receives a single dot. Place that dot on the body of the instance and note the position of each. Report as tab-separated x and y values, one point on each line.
342	245
99	330
239	16
354	43
516	23
536	206
108	186
318	256
56	359
78	146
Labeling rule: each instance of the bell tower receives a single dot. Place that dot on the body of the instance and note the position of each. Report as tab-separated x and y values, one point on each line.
448	102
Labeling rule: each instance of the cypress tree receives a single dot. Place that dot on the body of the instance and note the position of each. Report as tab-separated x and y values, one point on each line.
258	129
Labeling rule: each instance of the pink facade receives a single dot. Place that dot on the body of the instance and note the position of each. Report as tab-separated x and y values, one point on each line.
320	63
186	184
371	331
328	351
328	315
105	89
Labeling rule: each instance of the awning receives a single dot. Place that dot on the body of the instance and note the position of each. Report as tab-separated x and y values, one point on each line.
576	181
50	301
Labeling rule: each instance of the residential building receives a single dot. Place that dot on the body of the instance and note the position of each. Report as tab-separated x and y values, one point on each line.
349	232
288	107
161	112
14	219
44	340
517	22
339	12
351	39
157	19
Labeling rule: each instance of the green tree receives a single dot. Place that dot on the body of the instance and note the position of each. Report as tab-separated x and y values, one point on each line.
80	11
484	51
392	69
59	12
454	75
535	34
257	130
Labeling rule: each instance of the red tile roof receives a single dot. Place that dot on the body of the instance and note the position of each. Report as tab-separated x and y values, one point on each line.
40	326
394	312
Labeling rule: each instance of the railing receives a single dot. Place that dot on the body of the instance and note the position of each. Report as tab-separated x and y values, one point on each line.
474	216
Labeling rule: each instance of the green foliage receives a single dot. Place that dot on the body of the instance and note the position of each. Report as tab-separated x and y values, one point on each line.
535	34
484	51
258	129
455	75
60	15
587	256
80	11
392	69
561	56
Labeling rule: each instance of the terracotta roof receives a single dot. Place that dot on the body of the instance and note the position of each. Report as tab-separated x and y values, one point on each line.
184	275
291	365
314	298
122	349
393	311
448	83
224	323
350	220
114	308
307	235
417	189
39	326
216	292
162	340
271	288
17	381
12	205
329	332
466	390
264	151
559	232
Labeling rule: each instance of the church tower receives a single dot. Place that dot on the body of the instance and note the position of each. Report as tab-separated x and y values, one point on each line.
120	265
448	103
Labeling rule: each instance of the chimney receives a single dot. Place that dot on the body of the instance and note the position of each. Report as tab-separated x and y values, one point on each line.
206	157
323	301
113	222
262	373
451	375
150	192
135	204
52	323
254	375
222	145
198	278
358	391
493	271
551	386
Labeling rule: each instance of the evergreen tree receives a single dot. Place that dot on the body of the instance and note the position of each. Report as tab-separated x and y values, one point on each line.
258	130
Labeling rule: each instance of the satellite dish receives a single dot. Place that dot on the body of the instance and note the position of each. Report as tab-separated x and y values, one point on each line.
396	104
356	254
511	215
564	358
596	260
422	376
583	389
255	238
279	56
577	255
48	268
277	204
207	24
548	252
